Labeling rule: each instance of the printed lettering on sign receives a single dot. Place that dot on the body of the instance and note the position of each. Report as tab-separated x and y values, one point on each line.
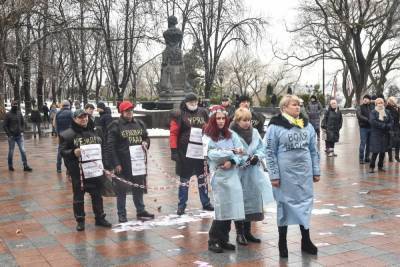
91	152
92	169
81	141
138	163
195	151
196	135
196	121
296	140
134	136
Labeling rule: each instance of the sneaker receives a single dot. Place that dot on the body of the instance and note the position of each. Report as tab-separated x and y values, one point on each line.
80	226
180	211
209	207
214	247
27	169
144	216
11	168
103	222
122	219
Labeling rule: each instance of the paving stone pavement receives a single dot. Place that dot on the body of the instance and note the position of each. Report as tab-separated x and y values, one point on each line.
356	220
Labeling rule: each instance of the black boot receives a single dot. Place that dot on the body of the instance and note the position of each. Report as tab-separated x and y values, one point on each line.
27	168
240	238
101	221
306	243
390	153
248	234
283	250
396	154
214	247
80	226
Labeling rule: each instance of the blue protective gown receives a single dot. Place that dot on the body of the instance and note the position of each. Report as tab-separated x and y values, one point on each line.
226	186
292	157
257	189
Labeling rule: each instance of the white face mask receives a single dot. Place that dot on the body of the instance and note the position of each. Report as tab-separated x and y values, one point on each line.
191	107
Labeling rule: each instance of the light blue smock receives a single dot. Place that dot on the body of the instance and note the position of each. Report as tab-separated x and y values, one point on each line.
226	186
257	189
292	157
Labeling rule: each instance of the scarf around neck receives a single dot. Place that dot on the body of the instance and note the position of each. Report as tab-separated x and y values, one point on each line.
246	134
297	122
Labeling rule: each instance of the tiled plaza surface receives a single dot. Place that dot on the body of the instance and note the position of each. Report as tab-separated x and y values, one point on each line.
357	220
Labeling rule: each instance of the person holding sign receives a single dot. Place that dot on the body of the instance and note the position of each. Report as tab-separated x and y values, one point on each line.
80	146
127	143
223	150
187	150
293	165
257	190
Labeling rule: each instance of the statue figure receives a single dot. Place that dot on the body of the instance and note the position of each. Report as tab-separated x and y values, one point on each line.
173	38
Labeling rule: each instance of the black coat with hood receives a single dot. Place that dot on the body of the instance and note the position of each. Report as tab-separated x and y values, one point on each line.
332	123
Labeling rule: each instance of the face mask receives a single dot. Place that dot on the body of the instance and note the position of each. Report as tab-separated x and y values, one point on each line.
191	107
14	108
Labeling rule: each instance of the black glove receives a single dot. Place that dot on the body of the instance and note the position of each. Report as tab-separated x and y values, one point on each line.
174	154
254	160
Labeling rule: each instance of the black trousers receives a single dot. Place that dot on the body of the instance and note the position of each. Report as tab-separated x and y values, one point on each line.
219	231
380	161
329	144
79	201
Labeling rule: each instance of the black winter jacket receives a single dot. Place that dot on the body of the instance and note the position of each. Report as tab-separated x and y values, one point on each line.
379	139
332	123
35	116
363	112
13	123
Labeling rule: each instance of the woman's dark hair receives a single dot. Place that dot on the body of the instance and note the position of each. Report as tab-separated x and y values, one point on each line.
211	129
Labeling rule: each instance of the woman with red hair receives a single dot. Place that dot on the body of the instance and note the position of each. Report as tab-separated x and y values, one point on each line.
223	151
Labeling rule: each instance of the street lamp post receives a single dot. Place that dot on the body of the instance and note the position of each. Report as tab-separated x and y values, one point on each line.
318	45
221	80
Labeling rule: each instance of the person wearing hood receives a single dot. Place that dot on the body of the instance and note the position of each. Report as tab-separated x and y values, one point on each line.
185	141
381	124
13	125
257	191
314	110
292	160
105	116
85	169
394	143
257	119
331	124
126	153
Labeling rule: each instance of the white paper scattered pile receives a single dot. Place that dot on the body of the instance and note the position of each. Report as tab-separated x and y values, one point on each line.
322	211
349	225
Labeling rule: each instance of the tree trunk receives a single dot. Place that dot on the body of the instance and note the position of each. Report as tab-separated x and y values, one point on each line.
26	61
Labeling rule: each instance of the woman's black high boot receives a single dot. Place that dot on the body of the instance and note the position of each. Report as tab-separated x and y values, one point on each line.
248	234
240	237
283	250
306	243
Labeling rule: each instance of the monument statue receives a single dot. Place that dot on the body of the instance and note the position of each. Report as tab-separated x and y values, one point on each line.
173	85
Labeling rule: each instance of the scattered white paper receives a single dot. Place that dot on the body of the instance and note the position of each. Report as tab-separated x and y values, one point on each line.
181	227
270	210
398	216
358	206
202	233
202	264
344	215
329	204
354	184
19	245
322	244
177	236
326	233
342	207
377	233
349	225
317	201
363	192
174	249
322	211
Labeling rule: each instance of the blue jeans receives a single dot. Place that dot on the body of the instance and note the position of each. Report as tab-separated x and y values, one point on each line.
137	200
184	191
59	158
364	143
11	145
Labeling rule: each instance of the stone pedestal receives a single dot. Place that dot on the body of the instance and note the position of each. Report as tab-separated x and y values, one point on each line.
172	84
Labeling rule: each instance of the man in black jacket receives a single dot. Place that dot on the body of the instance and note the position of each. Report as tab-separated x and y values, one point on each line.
127	142
85	169
36	119
105	116
14	128
363	112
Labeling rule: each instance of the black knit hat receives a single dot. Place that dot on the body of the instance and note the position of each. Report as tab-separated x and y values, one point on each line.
367	97
244	98
101	105
190	97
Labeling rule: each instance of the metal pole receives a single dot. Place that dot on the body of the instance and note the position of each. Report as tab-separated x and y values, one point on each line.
323	71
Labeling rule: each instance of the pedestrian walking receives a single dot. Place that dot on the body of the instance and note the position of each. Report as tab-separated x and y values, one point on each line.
187	150
81	149
52	115
314	110
127	143
293	165
46	118
36	120
363	112
331	124
257	191
223	151
394	134
13	126
381	124
62	122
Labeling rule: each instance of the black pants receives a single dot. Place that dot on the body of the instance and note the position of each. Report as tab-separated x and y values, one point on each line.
79	203
219	231
329	145
396	153
380	161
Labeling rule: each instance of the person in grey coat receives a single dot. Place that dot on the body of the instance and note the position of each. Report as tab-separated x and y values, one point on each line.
331	124
314	110
381	124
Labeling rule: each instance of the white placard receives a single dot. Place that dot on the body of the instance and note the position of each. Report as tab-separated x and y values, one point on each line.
195	151
90	152
138	164
196	135
92	169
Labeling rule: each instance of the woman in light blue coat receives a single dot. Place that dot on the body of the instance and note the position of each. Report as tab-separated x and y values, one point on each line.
223	151
257	190
293	165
